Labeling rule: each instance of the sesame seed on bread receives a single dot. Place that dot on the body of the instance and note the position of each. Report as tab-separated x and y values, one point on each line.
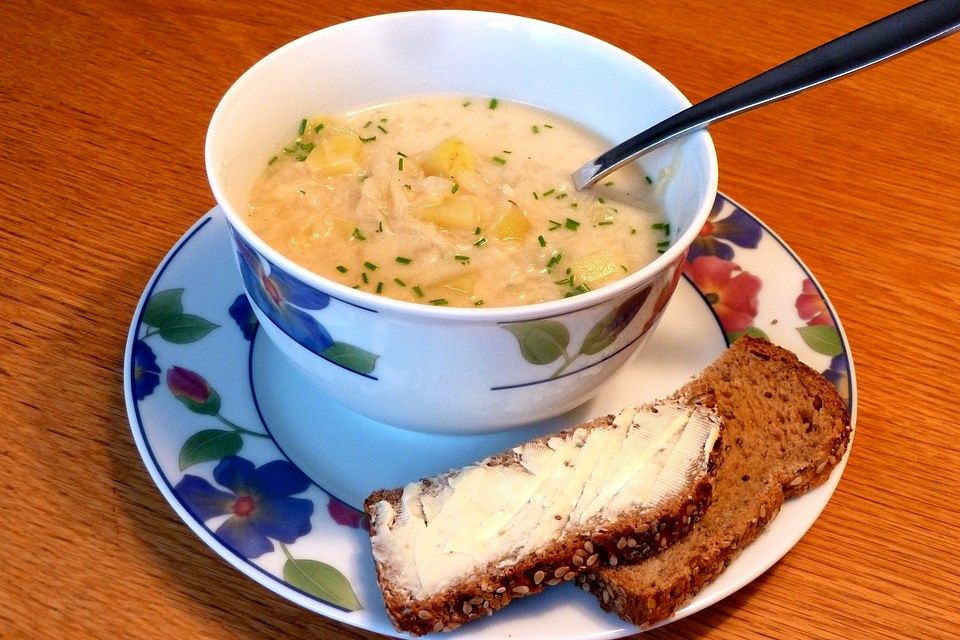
786	427
604	537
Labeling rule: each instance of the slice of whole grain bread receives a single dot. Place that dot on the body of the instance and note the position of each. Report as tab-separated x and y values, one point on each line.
786	427
638	531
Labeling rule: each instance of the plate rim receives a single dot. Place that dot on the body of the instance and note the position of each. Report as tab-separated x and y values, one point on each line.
293	594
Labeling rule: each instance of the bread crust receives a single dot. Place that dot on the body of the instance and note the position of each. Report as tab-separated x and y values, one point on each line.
811	431
628	539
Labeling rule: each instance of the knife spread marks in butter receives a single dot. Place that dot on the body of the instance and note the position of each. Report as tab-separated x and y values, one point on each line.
483	513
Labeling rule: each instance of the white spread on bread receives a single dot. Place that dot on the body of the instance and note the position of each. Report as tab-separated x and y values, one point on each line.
498	512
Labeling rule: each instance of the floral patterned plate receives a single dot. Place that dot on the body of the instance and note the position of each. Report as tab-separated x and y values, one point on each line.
269	472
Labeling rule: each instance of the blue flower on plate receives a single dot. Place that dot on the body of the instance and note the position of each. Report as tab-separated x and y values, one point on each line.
260	503
284	300
242	314
146	372
839	375
737	228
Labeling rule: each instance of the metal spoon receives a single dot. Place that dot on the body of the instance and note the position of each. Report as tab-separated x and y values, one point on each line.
878	41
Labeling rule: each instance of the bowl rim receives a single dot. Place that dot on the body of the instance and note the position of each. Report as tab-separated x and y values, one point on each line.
500	314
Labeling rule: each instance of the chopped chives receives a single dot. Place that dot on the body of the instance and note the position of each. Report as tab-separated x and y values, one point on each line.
648	179
608	183
379	126
358	234
418	290
363	276
400	163
561	196
499	160
303	127
439	302
365	140
455	188
601	200
535	196
571	224
493	103
480	242
547	193
273	159
401	154
403	260
554	225
535	129
478	303
341	268
548	126
605	222
380	287
370	265
542	242
400	282
554	259
318	128
476	231
663	245
300	150
380	227
461	258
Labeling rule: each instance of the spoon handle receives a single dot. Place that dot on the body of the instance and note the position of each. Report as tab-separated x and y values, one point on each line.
878	41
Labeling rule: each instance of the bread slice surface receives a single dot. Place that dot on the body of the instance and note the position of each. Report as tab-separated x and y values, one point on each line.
611	490
786	428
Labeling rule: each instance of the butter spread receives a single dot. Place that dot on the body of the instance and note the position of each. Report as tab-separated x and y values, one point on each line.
497	513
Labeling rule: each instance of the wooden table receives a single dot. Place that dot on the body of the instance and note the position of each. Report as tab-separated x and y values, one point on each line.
105	107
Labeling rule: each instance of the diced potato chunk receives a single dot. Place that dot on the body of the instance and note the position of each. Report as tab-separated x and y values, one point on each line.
463	283
511	225
596	268
449	159
341	227
336	154
456	213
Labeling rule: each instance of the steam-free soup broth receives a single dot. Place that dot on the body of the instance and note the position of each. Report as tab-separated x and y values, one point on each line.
454	201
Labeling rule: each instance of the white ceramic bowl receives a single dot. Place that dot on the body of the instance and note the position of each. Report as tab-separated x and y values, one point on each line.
443	369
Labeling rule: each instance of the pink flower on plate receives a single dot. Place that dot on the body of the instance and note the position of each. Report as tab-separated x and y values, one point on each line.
731	291
345	515
812	307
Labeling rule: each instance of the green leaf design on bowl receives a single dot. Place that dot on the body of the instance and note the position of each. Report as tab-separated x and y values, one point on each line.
541	341
351	357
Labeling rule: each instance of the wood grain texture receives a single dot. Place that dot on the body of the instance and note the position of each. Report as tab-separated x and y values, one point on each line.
105	106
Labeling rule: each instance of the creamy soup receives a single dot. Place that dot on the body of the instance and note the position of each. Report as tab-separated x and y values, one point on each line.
454	201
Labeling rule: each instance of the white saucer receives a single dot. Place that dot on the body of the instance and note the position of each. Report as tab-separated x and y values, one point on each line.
243	403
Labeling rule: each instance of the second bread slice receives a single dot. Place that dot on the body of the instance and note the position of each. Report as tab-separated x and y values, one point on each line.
786	428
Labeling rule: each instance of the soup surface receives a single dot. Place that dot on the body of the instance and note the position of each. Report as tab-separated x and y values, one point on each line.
454	201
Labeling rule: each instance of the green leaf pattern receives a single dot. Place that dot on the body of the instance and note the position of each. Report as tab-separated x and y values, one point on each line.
164	316
321	581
